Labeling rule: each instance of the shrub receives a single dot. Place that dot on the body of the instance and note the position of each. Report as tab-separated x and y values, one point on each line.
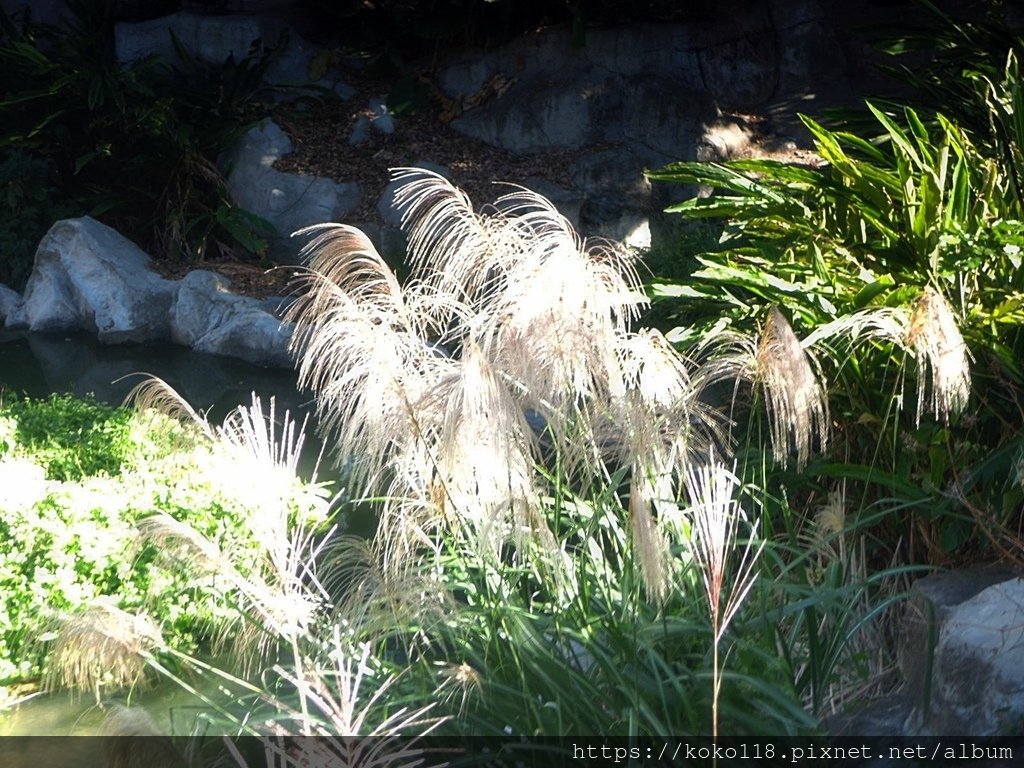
134	146
73	573
72	438
911	239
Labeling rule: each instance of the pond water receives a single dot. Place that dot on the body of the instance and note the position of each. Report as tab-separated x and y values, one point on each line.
38	365
64	713
56	730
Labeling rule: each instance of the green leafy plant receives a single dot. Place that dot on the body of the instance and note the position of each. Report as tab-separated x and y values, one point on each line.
902	247
83	600
72	438
136	146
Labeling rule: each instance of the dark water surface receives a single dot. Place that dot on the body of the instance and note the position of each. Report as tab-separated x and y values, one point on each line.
38	364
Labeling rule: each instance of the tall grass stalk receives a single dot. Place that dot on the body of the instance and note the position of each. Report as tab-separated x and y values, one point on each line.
717	518
284	598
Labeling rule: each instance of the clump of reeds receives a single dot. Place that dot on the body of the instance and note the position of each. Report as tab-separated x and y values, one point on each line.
536	322
101	646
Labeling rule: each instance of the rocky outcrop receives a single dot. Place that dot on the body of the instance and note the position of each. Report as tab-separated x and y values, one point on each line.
87	277
207	317
639	97
289	201
978	666
627	99
961	657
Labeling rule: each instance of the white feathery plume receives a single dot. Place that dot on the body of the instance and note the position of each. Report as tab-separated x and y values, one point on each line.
788	375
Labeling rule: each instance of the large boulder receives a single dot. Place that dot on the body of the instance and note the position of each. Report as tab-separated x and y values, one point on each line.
209	318
639	97
932	603
205	37
88	277
289	201
979	666
215	38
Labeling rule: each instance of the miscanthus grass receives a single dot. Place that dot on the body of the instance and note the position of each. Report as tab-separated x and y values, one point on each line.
509	318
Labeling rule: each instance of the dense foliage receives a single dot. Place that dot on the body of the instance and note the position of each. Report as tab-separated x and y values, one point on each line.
876	225
77	478
135	146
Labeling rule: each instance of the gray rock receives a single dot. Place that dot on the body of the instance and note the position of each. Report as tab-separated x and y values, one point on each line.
360	131
88	277
565	200
886	716
932	601
10	305
208	318
210	38
640	97
810	53
979	666
741	72
723	140
659	116
538	116
289	72
288	201
382	120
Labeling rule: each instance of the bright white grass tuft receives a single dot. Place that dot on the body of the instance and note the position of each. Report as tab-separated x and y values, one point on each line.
717	517
935	339
282	591
485	450
539	321
101	645
652	431
365	352
789	377
929	332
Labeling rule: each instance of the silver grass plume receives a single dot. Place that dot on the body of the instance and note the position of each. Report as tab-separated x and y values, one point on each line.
539	321
932	334
101	645
927	331
788	375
